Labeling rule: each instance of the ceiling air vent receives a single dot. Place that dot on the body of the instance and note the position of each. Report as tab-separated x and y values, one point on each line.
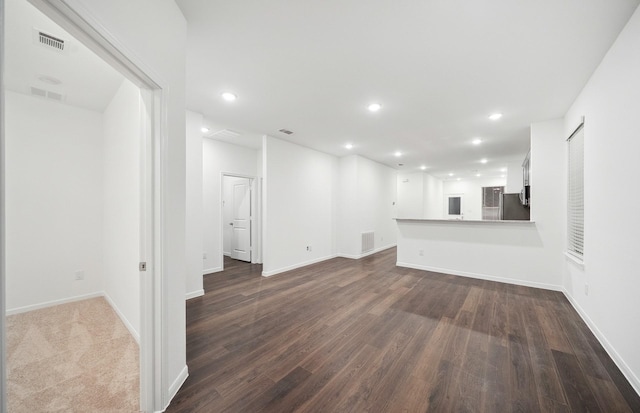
225	134
38	92
286	131
48	41
47	94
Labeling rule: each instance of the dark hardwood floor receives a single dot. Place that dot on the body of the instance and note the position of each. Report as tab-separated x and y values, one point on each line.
367	336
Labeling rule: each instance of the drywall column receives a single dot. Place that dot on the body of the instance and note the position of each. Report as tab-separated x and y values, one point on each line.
194	208
299	216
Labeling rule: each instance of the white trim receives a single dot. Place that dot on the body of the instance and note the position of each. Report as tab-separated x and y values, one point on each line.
194	294
125	321
175	386
295	266
574	259
52	303
3	370
357	257
212	270
514	281
608	347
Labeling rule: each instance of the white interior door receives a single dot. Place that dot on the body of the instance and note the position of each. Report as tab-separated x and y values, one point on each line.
241	236
453	204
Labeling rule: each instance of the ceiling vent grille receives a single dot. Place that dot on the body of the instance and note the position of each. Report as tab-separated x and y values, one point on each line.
225	134
47	94
286	131
48	41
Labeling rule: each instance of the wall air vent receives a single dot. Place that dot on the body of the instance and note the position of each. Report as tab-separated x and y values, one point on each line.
47	94
48	41
368	241
286	131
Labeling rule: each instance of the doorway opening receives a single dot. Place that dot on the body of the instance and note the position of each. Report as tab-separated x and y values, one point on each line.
145	223
240	218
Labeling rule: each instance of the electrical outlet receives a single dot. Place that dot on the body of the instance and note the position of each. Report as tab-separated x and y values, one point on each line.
79	275
421	253
309	248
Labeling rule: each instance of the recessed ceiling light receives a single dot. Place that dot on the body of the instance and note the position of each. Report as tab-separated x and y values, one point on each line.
204	129
477	174
423	167
457	179
483	161
374	107
398	154
476	141
450	173
503	169
495	116
228	96
501	176
348	146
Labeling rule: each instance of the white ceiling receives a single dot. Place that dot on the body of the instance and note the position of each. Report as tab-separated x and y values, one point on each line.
439	68
87	81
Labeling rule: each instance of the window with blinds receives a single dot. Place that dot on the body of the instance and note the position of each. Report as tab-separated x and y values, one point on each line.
575	201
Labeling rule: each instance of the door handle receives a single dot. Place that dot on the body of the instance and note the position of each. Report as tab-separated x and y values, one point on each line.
231	223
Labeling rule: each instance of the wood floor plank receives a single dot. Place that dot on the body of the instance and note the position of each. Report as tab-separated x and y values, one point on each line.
575	383
367	336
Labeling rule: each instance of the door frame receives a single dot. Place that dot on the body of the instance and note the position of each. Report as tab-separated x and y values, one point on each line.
153	283
256	257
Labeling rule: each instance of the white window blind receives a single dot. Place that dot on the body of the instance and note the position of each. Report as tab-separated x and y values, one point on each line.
575	203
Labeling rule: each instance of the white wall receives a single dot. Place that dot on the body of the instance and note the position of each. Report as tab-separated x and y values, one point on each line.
610	103
366	193
514	178
194	205
157	45
419	195
348	226
433	197
121	203
300	193
219	158
471	191
410	195
53	201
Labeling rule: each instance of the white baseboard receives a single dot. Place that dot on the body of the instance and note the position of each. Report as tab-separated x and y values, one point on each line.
46	304
525	283
619	361
294	266
357	257
125	321
175	386
194	294
211	270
